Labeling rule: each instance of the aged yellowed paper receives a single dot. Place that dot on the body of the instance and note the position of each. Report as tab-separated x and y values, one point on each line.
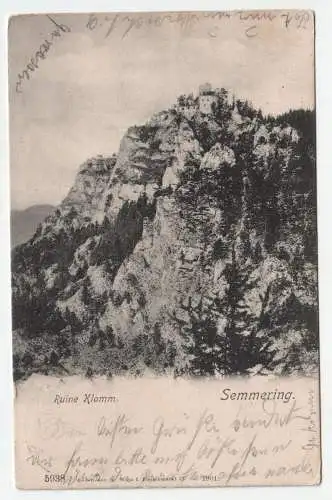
164	249
161	432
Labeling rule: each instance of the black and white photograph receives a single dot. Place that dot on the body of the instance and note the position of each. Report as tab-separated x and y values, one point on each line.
185	244
163	199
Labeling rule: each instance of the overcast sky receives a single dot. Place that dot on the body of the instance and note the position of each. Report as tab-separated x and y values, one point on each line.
90	88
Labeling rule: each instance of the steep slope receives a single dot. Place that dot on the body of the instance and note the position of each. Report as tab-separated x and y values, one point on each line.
193	251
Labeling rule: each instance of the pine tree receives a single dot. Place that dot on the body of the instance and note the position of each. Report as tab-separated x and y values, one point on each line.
240	322
203	350
241	345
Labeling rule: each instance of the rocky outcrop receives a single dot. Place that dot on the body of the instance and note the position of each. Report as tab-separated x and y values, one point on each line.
191	250
218	157
89	187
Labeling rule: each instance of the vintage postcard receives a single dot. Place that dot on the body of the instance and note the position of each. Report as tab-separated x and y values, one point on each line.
164	249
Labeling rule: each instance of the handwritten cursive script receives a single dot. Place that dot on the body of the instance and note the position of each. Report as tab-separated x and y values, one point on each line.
41	53
57	428
184	443
126	23
38	457
120	426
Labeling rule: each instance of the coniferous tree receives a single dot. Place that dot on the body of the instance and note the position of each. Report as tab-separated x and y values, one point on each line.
204	350
240	346
239	322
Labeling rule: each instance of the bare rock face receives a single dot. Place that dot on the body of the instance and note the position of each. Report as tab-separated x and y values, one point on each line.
191	251
90	184
186	149
218	157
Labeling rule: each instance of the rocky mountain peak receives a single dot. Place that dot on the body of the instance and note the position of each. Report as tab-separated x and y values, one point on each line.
192	251
89	186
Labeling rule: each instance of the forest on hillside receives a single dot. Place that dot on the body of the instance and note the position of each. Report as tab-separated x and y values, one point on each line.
214	274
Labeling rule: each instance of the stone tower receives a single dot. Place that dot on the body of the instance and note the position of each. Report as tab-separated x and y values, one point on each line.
207	98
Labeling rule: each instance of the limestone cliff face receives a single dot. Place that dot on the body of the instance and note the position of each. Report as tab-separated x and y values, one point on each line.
192	245
91	181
